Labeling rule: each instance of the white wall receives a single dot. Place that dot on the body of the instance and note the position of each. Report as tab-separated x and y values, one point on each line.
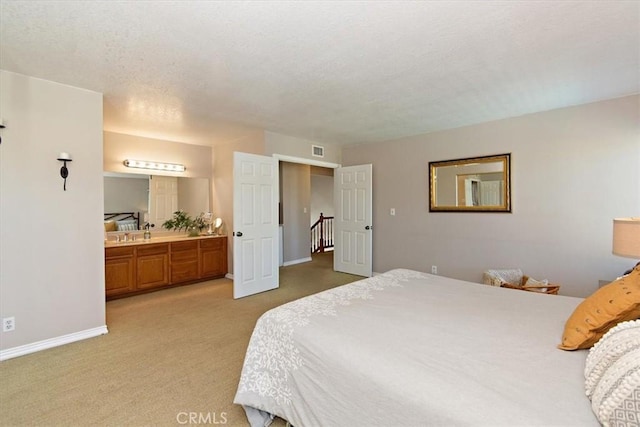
51	241
573	171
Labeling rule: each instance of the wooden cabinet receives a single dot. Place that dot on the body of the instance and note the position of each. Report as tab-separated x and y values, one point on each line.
213	258
184	261
119	271
152	265
143	267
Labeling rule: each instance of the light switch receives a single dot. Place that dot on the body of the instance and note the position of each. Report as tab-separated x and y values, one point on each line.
392	211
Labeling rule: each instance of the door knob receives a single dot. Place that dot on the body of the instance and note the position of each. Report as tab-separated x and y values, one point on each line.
368	227
239	233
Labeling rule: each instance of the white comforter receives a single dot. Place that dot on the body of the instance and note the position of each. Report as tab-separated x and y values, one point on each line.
412	349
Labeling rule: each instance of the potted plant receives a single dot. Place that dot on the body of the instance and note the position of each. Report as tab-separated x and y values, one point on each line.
200	223
183	221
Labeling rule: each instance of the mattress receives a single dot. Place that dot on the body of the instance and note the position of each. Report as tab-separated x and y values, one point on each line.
410	348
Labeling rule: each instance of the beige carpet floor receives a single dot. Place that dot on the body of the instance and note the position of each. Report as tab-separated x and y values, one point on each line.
170	358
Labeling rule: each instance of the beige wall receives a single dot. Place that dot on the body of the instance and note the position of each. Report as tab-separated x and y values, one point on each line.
119	146
321	196
276	143
573	171
295	182
51	245
190	195
126	194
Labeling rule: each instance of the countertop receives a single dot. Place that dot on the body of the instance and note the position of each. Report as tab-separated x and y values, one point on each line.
156	239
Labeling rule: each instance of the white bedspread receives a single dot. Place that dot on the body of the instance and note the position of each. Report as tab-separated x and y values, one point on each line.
412	349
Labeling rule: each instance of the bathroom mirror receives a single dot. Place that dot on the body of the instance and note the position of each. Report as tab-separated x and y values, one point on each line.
474	184
155	197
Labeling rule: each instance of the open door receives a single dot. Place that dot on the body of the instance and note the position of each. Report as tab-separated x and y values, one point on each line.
255	224
353	220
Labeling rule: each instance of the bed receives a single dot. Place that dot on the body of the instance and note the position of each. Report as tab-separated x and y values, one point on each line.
410	348
122	221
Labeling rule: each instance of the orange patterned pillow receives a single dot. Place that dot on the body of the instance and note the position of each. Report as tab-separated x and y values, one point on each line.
614	303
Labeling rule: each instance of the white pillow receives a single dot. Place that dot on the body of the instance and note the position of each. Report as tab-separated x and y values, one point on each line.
612	375
127	225
616	398
619	340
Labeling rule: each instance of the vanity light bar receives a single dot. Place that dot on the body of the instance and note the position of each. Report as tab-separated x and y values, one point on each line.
144	164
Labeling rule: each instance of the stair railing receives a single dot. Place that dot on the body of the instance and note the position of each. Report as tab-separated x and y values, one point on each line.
322	234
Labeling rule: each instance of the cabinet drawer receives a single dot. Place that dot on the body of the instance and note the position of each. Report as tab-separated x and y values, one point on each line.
212	243
186	255
118	252
162	248
184	246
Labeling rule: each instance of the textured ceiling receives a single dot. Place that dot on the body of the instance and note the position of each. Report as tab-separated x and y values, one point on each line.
337	72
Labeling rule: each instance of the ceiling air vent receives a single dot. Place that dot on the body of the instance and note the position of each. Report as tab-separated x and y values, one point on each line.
317	151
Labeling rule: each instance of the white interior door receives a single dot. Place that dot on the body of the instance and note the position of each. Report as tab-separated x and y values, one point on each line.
163	198
353	230
490	192
255	224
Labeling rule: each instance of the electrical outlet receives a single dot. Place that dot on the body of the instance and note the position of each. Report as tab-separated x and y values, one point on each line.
434	269
8	324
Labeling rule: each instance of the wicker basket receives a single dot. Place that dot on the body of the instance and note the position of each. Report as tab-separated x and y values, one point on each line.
544	289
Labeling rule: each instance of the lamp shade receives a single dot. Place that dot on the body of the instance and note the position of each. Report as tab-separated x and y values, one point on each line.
626	237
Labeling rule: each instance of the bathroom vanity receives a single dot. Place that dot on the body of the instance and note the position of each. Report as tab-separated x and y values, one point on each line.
141	266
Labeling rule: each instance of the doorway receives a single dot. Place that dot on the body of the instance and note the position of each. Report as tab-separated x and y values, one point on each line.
322	210
306	191
353	229
256	186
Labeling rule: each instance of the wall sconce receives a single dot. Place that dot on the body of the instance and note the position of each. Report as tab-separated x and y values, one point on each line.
144	164
64	172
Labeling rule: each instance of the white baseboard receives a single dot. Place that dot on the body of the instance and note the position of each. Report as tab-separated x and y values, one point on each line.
22	350
229	276
296	261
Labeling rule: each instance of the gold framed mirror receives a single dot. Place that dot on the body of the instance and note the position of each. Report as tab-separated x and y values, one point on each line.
474	184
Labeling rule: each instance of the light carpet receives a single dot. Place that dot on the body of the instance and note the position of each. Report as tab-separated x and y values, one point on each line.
171	357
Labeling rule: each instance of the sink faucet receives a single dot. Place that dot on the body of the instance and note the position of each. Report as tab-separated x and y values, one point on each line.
147	230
